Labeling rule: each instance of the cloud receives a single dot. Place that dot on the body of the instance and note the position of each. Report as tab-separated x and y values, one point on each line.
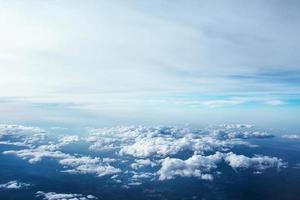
86	164
19	130
139	163
293	136
69	139
240	134
201	166
275	102
37	154
196	166
143	141
13	143
237	131
73	164
25	135
135	154
297	166
259	163
63	196
14	185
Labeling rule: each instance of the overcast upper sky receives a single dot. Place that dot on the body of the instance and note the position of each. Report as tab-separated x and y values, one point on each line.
158	62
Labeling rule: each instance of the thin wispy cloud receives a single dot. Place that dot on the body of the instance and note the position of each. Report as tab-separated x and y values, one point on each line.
116	57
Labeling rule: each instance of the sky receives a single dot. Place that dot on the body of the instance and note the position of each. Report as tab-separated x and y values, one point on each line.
103	63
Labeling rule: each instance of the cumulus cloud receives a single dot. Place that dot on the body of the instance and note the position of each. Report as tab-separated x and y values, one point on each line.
37	154
143	142
154	153
69	139
240	131
86	164
139	163
22	135
63	196
18	130
160	146
257	162
79	164
195	166
14	185
201	166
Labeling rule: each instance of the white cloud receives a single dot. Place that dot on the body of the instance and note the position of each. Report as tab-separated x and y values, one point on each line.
134	183
238	131
240	134
201	166
293	136
68	139
19	130
14	185
196	166
153	153
14	143
237	126
37	154
86	164
63	196
221	103
22	134
143	142
73	164
160	146
275	102
142	175
139	163
257	162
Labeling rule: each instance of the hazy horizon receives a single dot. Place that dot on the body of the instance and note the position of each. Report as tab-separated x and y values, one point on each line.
106	63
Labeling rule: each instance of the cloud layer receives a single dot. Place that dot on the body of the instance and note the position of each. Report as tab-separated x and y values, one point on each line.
137	154
148	61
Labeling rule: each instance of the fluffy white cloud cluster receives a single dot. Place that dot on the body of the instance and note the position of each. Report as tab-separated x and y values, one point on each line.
62	196
14	185
241	131
237	126
197	166
143	142
22	135
200	166
86	164
68	139
73	164
37	154
152	153
257	162
140	163
7	129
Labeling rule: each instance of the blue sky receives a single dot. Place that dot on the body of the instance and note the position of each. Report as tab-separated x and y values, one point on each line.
150	62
